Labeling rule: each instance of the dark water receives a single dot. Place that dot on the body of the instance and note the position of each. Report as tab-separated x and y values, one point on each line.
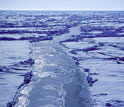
73	59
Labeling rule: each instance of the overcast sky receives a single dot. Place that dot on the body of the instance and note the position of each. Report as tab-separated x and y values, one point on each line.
61	4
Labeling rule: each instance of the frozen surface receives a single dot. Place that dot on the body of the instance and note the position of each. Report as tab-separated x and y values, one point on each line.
76	59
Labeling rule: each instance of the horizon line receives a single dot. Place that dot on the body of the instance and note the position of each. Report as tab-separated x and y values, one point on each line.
56	10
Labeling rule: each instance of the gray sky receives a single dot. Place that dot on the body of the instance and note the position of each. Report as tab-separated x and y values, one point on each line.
61	4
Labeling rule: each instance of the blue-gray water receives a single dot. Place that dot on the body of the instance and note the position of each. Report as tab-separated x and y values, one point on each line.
73	58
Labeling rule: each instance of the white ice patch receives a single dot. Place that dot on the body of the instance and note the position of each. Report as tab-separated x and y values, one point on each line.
23	102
